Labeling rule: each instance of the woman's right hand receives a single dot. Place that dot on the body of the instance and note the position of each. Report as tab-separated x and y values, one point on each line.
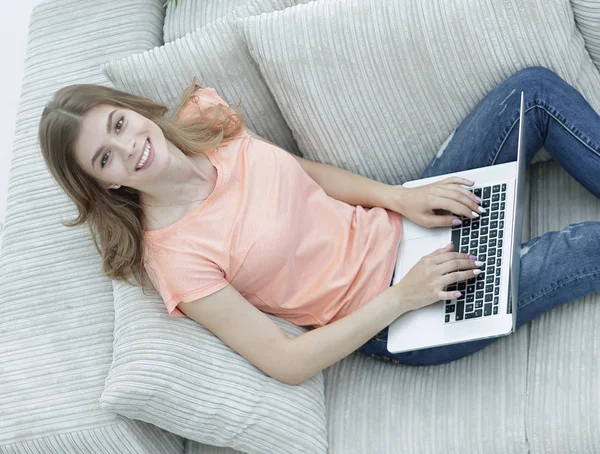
425	282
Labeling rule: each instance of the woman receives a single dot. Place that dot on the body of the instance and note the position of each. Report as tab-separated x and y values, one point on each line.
159	218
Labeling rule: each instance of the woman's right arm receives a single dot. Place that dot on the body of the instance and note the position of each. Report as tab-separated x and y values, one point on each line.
253	335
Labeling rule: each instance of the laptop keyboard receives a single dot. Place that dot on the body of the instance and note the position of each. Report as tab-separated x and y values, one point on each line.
482	237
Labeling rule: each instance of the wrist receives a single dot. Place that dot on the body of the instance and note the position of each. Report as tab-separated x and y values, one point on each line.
394	196
400	298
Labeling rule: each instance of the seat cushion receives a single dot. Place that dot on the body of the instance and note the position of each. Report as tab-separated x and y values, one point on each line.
562	380
368	87
56	339
175	374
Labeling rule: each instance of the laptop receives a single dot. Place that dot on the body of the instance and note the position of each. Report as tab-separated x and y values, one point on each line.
487	307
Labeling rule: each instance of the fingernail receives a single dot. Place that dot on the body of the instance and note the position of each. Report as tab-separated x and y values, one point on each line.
476	272
457	294
483	210
474	214
477	199
456	222
478	263
473	257
450	243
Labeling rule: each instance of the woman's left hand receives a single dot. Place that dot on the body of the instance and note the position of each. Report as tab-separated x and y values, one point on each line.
445	196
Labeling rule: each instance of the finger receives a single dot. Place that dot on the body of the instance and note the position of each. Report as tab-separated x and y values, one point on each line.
445	249
451	192
459	276
443	295
454	207
459	180
459	265
466	192
449	255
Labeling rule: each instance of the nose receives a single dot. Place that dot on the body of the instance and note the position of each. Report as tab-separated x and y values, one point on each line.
126	149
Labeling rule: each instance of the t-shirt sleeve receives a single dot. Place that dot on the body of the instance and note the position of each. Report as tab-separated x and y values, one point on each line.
184	278
202	102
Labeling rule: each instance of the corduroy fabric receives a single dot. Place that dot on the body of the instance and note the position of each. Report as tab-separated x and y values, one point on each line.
56	331
368	87
563	387
217	56
188	16
587	17
175	374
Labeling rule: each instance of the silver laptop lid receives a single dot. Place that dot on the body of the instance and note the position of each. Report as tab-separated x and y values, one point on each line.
519	206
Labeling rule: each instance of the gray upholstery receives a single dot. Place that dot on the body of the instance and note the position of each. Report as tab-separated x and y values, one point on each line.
56	333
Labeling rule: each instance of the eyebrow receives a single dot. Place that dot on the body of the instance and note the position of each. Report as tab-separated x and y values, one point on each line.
99	150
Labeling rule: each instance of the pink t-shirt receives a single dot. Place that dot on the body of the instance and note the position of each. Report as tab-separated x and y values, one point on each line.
273	233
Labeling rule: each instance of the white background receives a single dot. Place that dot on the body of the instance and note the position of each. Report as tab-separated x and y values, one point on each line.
13	43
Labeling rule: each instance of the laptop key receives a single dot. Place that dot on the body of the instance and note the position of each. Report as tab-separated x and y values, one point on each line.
504	187
460	310
496	188
486	192
450	308
495	312
488	309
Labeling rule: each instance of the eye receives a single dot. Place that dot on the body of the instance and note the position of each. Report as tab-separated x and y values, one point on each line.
117	124
116	127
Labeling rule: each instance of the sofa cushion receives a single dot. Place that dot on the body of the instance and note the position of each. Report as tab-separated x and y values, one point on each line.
175	374
368	87
217	56
562	379
190	15
587	17
56	330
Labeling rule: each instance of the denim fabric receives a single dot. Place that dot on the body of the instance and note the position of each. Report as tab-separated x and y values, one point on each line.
559	266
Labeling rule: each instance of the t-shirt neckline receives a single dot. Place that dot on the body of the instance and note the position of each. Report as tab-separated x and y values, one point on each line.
184	220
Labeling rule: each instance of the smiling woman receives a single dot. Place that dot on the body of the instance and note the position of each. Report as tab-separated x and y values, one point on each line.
93	139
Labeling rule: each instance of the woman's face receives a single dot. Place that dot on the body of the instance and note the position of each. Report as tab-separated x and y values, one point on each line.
111	143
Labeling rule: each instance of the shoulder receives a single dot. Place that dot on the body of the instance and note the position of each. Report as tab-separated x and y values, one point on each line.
201	100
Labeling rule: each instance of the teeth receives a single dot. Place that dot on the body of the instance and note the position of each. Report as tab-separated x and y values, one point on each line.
144	157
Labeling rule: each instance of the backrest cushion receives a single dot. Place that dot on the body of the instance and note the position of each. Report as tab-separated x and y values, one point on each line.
189	15
587	17
376	87
218	57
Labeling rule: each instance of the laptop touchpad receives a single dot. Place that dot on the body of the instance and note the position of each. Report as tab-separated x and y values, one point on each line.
412	250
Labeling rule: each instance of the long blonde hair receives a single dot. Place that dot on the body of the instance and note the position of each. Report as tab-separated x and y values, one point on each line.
116	216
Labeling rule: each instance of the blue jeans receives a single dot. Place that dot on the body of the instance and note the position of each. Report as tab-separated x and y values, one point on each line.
556	267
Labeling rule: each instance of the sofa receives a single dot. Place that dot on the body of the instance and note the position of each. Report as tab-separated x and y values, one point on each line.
88	365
